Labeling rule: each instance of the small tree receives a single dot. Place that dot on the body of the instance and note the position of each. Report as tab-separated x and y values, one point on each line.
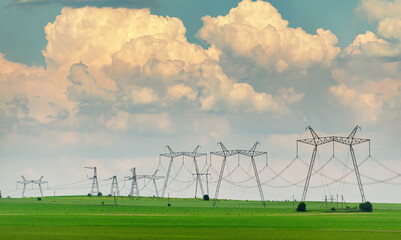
0	194
99	194
89	195
366	207
301	207
206	197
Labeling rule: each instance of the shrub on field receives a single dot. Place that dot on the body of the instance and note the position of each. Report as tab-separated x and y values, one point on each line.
0	194
206	197
333	209
99	194
301	207
39	199
366	207
89	195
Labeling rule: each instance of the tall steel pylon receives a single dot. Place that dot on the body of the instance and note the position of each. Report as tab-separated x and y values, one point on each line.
152	177
134	183
25	182
114	186
39	182
250	153
317	141
199	182
95	184
194	155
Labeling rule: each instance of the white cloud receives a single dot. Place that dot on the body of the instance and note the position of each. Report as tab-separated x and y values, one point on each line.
149	60
370	45
257	31
180	90
84	88
378	9
211	129
390	27
141	122
368	99
144	96
32	92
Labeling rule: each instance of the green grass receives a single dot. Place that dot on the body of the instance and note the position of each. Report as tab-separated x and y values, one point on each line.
79	217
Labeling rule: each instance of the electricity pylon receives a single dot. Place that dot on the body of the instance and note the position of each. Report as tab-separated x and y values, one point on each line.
25	182
250	153
95	184
194	154
134	184
152	177
114	186
199	181
317	141
39	182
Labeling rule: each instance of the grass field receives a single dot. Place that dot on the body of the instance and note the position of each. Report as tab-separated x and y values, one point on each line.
77	217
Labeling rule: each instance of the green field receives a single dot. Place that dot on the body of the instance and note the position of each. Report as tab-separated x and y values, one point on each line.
77	217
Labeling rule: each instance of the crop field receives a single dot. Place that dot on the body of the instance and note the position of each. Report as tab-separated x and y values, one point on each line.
78	217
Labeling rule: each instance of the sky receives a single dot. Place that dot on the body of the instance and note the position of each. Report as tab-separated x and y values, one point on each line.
111	83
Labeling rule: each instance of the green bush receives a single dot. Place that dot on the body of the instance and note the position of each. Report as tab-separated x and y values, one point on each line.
366	207
39	199
301	207
206	197
89	195
99	194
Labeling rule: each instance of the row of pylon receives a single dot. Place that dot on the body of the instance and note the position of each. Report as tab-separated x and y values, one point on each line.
314	141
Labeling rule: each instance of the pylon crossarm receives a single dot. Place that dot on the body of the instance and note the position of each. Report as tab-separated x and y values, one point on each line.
171	155
227	153
314	141
350	141
253	154
193	155
178	154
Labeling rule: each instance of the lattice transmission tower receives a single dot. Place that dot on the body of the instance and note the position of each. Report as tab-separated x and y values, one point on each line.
25	182
172	155
135	178
250	153
153	178
114	190
317	141
134	183
95	184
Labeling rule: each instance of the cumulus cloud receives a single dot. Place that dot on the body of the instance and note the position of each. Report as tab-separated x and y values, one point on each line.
180	90
31	93
147	60
368	71
124	69
371	89
257	31
378	9
141	122
84	88
390	27
366	104
369	45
